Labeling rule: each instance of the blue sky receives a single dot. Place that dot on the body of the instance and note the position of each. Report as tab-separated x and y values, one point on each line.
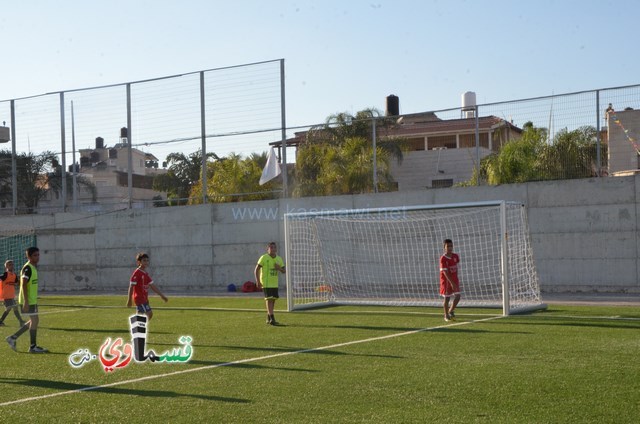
344	55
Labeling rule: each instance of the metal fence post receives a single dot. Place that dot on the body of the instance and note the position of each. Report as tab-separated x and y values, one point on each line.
14	165
63	171
203	134
477	144
129	139
375	159
598	141
285	188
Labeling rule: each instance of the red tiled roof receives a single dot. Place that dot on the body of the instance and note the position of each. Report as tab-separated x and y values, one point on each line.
426	124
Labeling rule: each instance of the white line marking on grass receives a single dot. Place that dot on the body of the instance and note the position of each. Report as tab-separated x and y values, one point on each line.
244	361
170	308
579	317
59	311
261	310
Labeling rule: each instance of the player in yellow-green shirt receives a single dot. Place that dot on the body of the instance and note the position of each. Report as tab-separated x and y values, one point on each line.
266	274
28	299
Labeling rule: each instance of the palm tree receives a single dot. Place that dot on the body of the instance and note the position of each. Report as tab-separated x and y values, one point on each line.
348	168
236	179
572	154
36	175
337	156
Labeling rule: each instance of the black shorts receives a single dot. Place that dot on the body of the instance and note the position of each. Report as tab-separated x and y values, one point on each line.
33	310
270	293
9	303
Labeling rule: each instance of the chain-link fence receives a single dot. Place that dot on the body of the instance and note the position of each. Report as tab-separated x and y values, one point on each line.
124	140
577	135
120	137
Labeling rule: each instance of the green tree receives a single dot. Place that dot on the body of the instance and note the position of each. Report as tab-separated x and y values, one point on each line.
36	175
236	179
571	154
183	174
337	156
518	160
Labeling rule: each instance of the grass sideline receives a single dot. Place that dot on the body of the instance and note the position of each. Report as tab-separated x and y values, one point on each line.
340	364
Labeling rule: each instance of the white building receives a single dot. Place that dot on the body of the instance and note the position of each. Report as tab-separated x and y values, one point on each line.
107	168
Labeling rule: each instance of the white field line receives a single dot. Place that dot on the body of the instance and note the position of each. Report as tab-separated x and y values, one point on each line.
261	309
244	361
580	317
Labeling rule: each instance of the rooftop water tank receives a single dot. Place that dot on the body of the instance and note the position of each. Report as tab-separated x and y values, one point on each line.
5	134
469	104
393	105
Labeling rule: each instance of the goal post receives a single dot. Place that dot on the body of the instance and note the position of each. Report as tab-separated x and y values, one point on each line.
390	256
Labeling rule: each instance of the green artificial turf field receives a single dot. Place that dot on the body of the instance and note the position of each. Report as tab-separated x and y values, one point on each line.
567	364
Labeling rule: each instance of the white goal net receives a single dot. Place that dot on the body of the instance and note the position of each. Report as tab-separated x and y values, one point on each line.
390	256
14	241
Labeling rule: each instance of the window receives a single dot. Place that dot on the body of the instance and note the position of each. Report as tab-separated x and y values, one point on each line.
448	141
414	144
469	140
448	182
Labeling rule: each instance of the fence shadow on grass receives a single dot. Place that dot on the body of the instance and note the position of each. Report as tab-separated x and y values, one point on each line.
245	366
620	324
66	386
307	350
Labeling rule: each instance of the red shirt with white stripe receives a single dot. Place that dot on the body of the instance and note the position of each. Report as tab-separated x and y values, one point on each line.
450	264
141	282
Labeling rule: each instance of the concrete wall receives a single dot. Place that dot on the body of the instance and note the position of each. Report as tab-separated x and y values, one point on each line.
585	237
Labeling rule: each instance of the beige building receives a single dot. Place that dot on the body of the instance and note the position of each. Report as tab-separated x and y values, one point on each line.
107	168
442	152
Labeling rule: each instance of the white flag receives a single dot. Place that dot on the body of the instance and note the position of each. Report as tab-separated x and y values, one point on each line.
271	169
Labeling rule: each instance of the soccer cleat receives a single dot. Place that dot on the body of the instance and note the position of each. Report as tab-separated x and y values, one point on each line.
2	324
12	342
452	316
447	317
37	349
269	319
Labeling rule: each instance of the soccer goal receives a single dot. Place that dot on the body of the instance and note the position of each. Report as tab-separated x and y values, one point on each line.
14	241
390	256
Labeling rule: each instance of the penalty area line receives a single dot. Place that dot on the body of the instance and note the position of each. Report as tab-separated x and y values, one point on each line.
245	361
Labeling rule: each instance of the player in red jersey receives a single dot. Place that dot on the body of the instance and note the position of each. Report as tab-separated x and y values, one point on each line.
139	287
449	283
